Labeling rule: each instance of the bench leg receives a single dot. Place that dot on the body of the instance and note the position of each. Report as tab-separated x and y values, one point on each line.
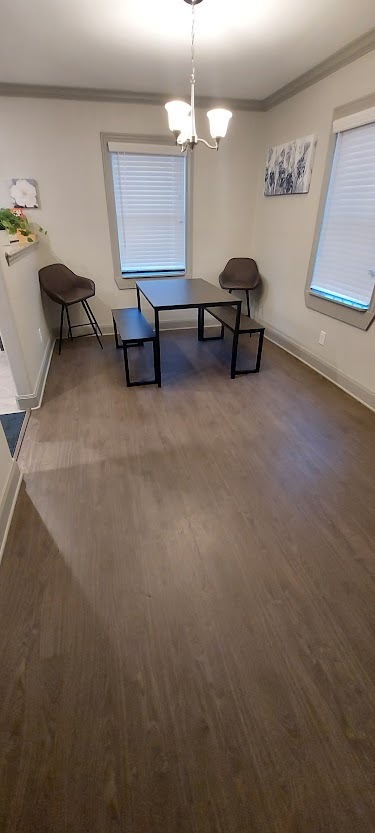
156	363
126	363
258	358
155	380
201	335
157	348
234	355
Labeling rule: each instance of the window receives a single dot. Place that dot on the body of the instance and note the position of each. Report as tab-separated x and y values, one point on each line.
149	186
343	269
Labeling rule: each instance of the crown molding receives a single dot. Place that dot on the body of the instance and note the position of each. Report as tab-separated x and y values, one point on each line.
120	96
355	49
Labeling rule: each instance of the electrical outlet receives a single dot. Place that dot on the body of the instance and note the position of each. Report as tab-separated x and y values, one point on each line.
322	337
40	335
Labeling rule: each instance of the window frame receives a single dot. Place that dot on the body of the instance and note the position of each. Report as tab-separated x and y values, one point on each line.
348	315
141	142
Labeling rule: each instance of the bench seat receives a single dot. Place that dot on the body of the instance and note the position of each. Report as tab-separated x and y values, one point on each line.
228	318
228	315
131	327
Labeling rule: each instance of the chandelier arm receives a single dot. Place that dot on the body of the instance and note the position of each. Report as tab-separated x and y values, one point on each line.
212	147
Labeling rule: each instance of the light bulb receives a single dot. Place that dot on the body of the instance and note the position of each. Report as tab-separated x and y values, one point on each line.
219	120
185	131
178	112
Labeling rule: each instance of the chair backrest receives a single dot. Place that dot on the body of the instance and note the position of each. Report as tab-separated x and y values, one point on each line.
240	273
57	278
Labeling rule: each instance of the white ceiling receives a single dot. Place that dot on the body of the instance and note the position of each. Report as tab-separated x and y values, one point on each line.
244	49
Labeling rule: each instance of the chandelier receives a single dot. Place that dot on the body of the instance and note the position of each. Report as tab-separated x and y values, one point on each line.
181	116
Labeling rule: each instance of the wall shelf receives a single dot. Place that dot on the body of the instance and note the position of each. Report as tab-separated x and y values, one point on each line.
15	251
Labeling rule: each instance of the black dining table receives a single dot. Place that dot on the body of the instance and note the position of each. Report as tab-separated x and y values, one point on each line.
183	293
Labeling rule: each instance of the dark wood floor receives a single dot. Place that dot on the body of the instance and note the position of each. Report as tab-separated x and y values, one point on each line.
187	602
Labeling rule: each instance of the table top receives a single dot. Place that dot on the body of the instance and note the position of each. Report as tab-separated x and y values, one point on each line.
181	293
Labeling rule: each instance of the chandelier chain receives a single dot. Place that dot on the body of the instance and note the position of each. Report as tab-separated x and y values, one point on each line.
193	42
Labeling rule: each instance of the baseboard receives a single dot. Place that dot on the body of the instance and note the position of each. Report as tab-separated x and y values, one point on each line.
8	502
34	400
346	383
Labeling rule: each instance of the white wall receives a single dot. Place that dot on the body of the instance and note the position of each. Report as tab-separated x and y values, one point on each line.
25	332
285	228
58	144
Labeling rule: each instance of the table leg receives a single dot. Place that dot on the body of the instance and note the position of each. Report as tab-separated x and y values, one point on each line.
200	324
259	354
116	334
138	298
235	342
157	348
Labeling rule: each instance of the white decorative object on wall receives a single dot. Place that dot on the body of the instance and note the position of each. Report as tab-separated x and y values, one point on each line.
289	167
24	193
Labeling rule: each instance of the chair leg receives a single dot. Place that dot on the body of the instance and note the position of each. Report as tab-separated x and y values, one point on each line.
69	324
92	316
92	324
248	303
61	326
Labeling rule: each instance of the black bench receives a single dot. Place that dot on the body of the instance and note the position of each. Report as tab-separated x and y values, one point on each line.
228	318
131	328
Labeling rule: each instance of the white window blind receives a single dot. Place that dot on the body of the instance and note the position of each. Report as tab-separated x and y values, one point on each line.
150	200
344	269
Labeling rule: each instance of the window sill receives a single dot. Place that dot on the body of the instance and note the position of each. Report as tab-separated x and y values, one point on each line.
129	283
340	301
334	309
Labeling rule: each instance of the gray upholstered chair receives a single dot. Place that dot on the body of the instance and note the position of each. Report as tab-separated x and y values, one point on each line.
240	273
66	288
